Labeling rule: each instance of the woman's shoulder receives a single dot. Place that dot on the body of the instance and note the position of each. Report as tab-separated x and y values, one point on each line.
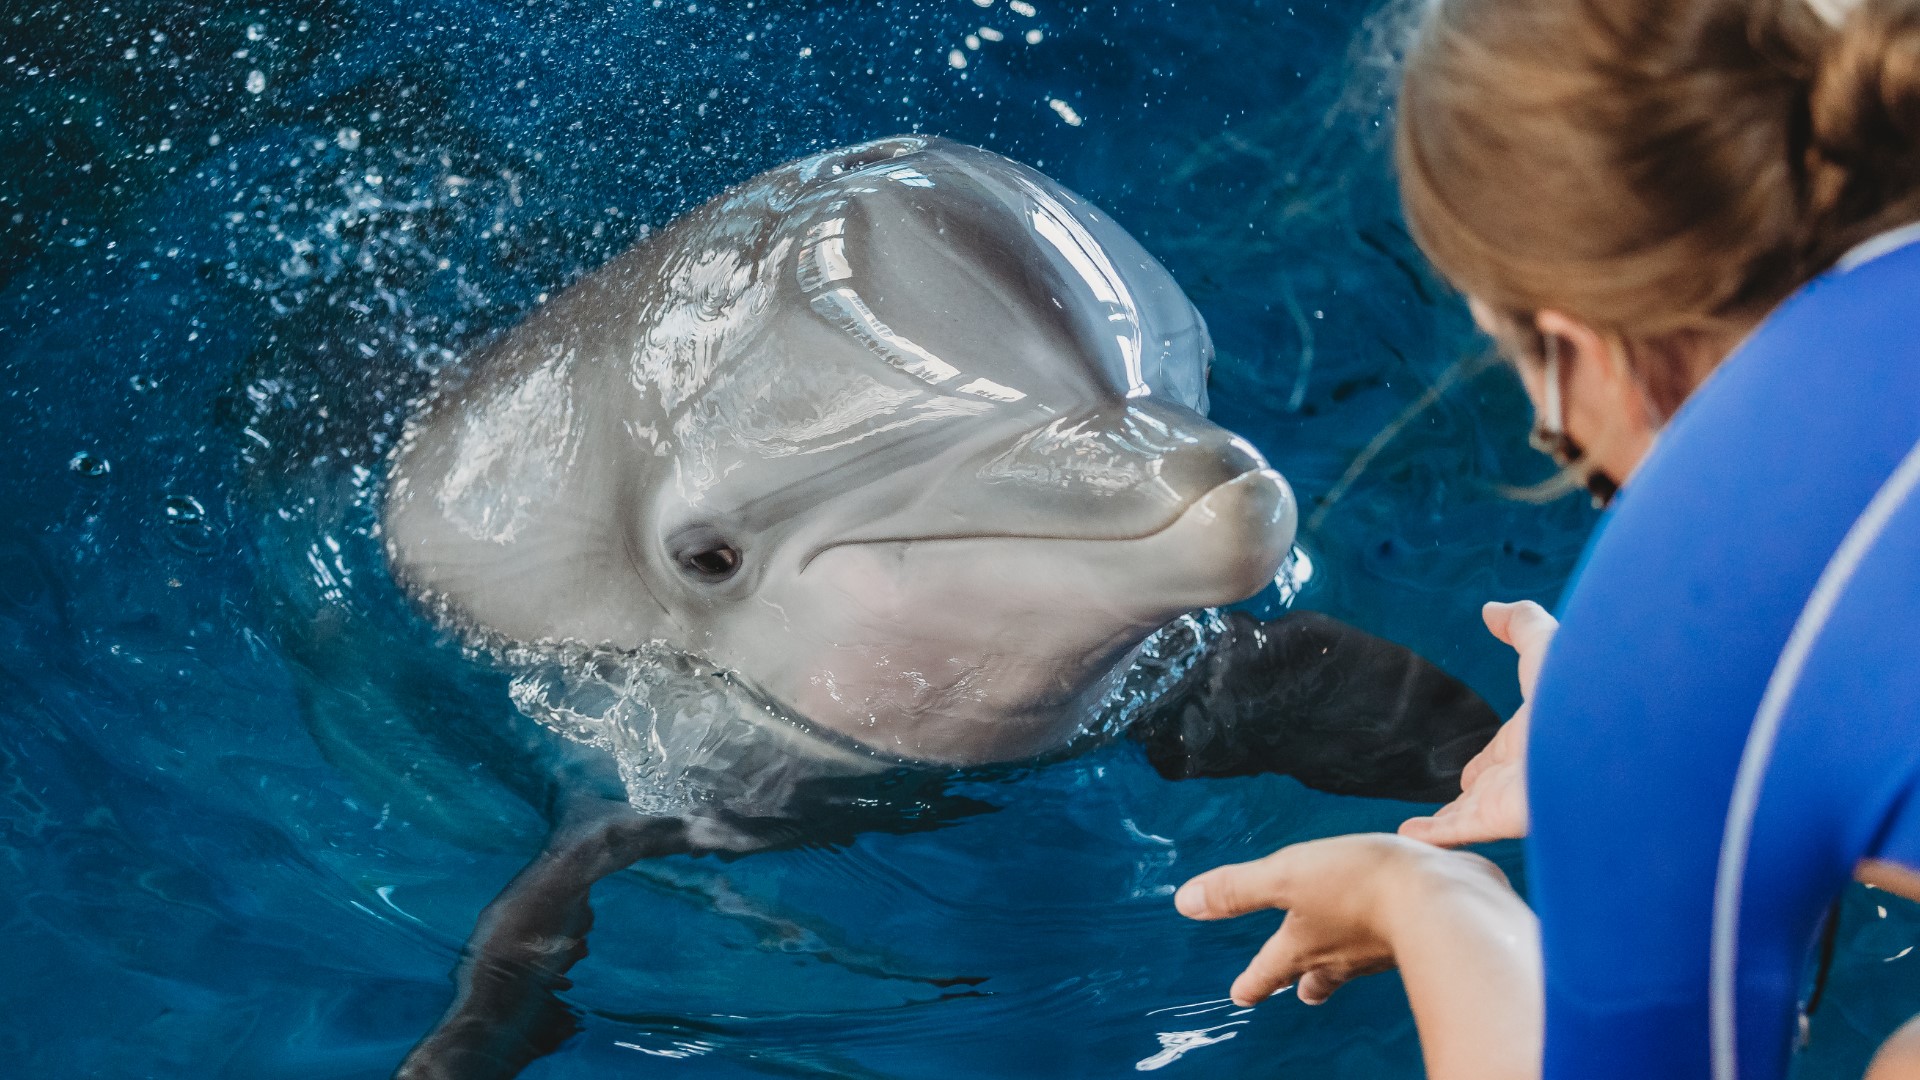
1696	578
1750	489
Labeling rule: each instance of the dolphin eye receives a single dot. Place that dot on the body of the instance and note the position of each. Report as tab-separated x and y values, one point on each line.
707	558
715	562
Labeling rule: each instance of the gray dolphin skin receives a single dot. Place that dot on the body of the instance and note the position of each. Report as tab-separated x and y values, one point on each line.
905	445
906	434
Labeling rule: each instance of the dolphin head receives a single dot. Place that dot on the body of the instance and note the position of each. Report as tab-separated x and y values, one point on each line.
906	434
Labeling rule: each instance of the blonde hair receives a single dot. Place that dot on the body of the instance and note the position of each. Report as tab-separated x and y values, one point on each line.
1655	167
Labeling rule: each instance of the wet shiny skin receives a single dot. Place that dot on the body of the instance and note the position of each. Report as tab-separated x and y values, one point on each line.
941	412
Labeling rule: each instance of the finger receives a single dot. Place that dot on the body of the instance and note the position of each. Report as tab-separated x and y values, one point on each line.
1491	754
1427	830
1520	624
1531	631
1530	628
1497	615
1508	745
1316	986
1227	891
1452	831
1462	821
1272	969
1479	764
1497	810
1446	834
1448	814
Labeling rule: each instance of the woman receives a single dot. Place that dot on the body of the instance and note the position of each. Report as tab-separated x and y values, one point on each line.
1691	220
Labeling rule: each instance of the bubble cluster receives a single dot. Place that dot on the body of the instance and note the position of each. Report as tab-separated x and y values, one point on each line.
89	464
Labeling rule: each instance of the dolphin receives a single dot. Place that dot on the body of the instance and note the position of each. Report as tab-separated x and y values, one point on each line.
888	461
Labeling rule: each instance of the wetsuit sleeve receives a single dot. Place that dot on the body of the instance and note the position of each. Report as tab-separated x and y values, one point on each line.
1834	755
1637	725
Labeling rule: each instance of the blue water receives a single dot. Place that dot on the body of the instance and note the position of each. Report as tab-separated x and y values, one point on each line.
250	804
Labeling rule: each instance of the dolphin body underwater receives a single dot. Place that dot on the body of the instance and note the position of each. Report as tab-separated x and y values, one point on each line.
884	463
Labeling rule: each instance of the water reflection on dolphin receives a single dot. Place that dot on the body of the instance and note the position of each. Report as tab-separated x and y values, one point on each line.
888	460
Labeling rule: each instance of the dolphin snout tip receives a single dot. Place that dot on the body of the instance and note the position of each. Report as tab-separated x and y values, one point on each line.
1250	522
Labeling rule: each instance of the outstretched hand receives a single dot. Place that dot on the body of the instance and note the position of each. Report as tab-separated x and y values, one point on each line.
1493	791
1467	946
1347	900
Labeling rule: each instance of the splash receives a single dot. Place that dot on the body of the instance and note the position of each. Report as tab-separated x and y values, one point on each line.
686	733
1160	664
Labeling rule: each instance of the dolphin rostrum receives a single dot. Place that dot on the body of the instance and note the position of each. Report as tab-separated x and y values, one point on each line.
888	459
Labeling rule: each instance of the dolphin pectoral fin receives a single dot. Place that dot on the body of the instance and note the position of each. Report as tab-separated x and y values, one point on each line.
1339	710
505	1013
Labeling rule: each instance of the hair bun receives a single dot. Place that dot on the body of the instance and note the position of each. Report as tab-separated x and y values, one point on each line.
1864	167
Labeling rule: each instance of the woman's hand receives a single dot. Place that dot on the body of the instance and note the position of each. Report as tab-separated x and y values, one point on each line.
1468	948
1344	897
1493	796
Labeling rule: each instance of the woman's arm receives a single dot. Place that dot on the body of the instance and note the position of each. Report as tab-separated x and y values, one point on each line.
1899	1056
1467	946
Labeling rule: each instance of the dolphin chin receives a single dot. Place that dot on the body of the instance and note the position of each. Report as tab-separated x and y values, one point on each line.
906	673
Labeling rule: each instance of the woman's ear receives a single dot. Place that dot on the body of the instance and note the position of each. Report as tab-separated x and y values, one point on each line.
1597	364
1582	348
1607	408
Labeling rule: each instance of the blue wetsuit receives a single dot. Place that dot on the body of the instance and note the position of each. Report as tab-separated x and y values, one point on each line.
1670	637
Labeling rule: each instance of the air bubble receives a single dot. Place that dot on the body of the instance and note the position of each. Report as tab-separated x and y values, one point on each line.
185	510
188	527
87	463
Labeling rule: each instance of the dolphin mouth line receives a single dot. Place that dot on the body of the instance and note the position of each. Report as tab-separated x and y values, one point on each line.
937	538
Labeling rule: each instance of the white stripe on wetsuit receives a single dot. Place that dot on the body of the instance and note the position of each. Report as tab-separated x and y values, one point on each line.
1758	756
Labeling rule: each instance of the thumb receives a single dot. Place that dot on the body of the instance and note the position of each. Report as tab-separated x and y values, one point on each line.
1527	627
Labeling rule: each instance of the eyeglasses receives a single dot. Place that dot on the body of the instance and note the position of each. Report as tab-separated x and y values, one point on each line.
1550	433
